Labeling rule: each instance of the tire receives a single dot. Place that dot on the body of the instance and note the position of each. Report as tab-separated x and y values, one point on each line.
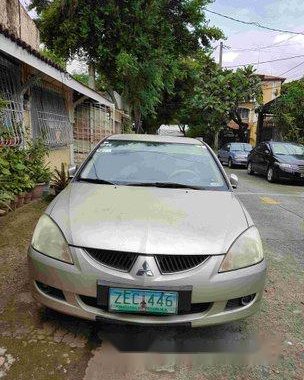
250	171
230	163
270	175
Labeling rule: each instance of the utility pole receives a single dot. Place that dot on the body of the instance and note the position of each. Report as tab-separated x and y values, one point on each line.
216	135
221	54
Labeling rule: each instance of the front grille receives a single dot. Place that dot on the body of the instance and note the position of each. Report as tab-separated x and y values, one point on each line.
122	261
301	168
167	264
179	263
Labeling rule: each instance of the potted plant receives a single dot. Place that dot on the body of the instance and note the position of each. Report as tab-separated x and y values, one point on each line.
5	200
38	171
42	177
60	179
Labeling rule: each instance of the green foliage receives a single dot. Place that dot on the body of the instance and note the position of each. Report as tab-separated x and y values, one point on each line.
205	97
36	154
82	77
22	169
5	199
14	175
49	54
288	111
60	179
135	45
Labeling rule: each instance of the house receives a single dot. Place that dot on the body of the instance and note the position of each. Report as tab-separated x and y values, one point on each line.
43	100
271	89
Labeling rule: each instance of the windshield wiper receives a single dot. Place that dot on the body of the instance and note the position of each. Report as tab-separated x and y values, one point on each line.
96	180
171	185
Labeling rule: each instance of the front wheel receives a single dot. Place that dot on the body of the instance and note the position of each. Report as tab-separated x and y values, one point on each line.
250	171
270	174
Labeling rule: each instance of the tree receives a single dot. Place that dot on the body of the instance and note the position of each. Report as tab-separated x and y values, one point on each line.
135	45
206	97
288	111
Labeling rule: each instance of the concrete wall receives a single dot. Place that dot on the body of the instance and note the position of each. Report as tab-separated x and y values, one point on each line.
15	18
271	90
57	156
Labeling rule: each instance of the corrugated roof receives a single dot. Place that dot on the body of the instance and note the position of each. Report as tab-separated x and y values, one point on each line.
25	53
28	48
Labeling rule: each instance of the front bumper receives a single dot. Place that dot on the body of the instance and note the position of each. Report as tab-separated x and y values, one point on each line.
240	161
291	176
78	283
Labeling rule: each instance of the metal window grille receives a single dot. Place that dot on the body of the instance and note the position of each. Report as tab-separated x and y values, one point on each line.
50	119
11	117
92	123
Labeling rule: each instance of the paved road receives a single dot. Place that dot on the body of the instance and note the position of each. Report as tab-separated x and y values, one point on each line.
43	345
277	210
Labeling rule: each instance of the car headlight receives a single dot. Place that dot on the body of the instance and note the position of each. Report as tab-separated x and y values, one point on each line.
49	240
247	250
287	167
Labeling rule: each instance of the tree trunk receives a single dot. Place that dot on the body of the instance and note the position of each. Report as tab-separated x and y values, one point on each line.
137	120
216	141
92	83
182	128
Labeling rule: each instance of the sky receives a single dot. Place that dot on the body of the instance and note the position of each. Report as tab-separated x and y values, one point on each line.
277	14
266	45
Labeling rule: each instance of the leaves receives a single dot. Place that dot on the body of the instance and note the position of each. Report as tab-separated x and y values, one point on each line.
288	111
135	45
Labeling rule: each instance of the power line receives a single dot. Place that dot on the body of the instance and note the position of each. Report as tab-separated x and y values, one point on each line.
300	64
254	23
261	48
273	60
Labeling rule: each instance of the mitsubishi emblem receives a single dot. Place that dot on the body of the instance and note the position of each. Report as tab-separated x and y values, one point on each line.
145	270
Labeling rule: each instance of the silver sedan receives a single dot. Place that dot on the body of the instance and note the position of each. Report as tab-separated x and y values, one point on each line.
149	231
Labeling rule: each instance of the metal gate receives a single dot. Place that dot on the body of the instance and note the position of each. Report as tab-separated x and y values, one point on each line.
50	118
11	114
92	123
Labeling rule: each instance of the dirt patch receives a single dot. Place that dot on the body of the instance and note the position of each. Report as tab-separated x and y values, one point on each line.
35	343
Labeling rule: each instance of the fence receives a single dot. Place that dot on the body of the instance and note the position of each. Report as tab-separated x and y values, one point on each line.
50	119
11	115
93	122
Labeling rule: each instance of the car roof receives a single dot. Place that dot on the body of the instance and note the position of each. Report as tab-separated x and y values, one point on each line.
155	138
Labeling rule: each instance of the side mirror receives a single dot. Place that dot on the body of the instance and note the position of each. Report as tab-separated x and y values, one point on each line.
267	151
72	170
234	181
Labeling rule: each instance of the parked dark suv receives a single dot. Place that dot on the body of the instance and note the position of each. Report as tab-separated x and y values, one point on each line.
277	160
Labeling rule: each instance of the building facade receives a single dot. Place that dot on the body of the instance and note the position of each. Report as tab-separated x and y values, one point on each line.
271	89
42	100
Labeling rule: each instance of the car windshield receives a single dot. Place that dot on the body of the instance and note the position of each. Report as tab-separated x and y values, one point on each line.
288	149
160	164
241	147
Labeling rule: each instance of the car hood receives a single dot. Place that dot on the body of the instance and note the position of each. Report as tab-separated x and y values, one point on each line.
292	159
240	153
149	220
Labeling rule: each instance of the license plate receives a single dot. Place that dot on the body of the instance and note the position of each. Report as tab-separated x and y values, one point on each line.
143	301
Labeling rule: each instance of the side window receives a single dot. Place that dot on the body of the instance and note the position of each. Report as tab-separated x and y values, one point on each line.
260	148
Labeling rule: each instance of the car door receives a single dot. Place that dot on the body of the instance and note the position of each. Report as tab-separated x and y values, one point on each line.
221	152
227	152
257	158
265	158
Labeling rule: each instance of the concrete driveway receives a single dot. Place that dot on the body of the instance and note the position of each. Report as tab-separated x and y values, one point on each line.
39	344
